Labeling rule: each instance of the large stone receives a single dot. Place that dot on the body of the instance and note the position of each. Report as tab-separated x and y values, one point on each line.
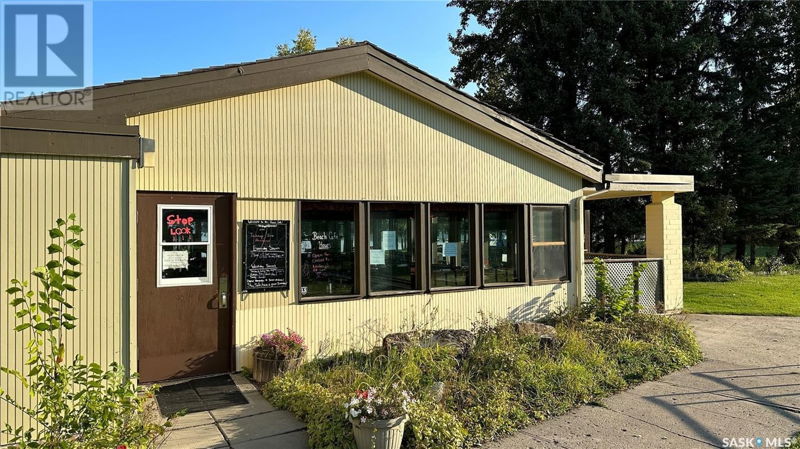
400	341
526	328
547	334
460	339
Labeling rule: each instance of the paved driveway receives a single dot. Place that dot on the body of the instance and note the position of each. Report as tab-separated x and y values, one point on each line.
748	386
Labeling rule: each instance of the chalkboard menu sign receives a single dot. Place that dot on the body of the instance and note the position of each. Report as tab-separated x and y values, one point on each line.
265	257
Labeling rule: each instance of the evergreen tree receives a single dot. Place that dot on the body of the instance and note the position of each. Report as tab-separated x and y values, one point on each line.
694	87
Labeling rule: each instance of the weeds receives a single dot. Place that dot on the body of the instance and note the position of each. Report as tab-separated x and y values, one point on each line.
504	383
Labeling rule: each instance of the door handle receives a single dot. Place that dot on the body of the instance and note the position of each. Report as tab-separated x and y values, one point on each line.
223	292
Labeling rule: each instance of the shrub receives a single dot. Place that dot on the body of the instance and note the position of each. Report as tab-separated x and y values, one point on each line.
76	404
432	427
489	409
646	347
505	382
769	265
714	271
320	408
612	303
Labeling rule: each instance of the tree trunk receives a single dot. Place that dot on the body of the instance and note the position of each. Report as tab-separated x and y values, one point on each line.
740	248
609	240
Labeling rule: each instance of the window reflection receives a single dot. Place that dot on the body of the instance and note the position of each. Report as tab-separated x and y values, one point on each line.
450	245
327	249
549	249
392	240
501	244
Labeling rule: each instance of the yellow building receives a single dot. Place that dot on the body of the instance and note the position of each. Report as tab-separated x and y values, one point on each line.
344	194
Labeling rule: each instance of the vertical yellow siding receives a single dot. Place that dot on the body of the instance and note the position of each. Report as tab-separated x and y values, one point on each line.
34	192
354	137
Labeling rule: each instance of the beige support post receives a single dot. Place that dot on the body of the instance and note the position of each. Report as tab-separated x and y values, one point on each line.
577	252
664	240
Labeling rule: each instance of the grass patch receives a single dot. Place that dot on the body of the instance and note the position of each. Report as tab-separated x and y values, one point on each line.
753	295
507	380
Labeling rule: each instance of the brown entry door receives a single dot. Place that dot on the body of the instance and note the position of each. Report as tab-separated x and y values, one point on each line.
185	268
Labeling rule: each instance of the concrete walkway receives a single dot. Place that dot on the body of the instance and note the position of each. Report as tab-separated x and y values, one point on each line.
748	386
256	424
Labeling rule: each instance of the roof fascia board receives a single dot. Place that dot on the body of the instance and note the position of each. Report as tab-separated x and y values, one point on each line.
16	139
68	126
645	178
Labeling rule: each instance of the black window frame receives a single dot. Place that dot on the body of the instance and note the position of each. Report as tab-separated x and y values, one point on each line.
359	287
566	243
474	256
523	256
419	230
422	247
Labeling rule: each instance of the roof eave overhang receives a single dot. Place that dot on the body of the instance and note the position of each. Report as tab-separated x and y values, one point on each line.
21	136
629	185
113	104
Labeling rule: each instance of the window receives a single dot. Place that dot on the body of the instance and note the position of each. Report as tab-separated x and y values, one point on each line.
392	247
450	229
185	244
327	249
502	258
550	252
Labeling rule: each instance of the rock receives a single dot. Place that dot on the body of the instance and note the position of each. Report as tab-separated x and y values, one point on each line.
547	334
527	328
460	339
400	341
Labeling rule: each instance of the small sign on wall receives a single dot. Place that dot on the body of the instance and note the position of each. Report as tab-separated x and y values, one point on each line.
265	255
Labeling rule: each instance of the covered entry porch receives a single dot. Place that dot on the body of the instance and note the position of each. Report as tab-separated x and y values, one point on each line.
660	286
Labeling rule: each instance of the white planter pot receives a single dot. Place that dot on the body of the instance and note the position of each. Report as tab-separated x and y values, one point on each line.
379	434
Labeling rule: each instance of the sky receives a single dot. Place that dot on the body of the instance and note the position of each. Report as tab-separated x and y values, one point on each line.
134	39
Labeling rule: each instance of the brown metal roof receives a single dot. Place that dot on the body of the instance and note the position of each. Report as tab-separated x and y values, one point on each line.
114	102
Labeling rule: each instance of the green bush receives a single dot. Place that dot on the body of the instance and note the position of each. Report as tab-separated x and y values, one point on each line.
432	427
612	303
773	265
646	346
714	271
320	408
506	381
75	404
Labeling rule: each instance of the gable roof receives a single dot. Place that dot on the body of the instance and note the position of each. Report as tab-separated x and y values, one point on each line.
113	103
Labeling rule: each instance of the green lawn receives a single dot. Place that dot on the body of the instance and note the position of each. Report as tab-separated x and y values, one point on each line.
753	295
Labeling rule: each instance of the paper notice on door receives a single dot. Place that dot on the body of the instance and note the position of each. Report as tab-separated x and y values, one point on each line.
175	260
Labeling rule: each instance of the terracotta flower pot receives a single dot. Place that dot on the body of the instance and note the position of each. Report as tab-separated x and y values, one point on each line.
379	434
266	366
